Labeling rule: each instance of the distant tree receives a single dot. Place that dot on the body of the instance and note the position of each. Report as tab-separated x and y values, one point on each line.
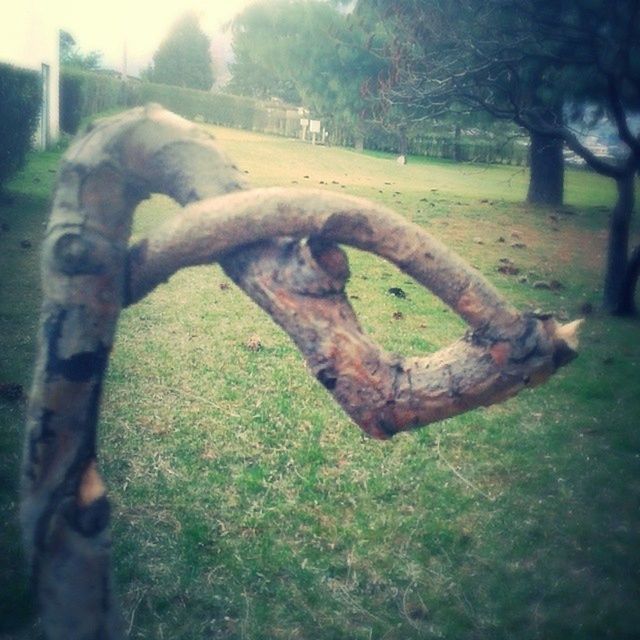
183	58
72	57
447	57
304	52
526	61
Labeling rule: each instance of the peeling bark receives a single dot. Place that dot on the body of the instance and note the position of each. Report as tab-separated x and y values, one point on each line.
301	286
280	246
64	509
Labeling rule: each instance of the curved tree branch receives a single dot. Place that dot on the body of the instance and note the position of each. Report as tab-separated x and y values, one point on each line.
279	245
301	285
620	116
64	511
206	231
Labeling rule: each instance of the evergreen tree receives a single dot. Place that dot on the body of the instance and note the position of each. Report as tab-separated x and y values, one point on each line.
183	59
304	52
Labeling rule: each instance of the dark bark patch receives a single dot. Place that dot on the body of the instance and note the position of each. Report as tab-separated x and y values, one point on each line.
348	225
38	437
327	378
330	257
76	255
136	256
562	355
80	367
93	519
386	426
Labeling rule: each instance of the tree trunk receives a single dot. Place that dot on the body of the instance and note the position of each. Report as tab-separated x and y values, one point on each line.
457	147
546	180
628	306
64	509
618	291
403	142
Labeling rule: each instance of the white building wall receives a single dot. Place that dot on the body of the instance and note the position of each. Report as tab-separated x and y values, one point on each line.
30	40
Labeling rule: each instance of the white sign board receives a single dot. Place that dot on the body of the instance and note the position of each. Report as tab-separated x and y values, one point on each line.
314	126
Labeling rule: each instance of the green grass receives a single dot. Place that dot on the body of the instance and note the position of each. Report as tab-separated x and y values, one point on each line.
247	506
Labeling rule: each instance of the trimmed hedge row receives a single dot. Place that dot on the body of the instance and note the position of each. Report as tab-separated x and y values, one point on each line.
214	108
20	102
84	94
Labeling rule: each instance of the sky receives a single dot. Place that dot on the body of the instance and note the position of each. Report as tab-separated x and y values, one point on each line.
106	25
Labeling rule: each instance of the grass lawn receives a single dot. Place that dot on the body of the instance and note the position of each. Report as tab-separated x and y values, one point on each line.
246	505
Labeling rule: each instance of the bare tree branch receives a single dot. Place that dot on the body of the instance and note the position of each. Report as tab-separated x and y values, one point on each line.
64	509
89	273
620	117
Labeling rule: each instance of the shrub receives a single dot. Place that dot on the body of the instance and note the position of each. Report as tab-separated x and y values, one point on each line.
83	94
20	100
214	108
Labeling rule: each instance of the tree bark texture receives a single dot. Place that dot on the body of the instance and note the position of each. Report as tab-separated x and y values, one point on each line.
628	304
281	247
546	180
618	285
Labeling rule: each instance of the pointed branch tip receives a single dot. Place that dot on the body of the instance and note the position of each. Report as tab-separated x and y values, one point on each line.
569	333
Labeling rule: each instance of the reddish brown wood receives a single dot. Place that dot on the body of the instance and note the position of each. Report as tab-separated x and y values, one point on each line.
301	285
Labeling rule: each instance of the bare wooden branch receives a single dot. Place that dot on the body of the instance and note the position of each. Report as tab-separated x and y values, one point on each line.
64	510
301	285
280	246
205	232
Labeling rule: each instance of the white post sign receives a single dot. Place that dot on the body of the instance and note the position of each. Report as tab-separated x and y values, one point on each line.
314	128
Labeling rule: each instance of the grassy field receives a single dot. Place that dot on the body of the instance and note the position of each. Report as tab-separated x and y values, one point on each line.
247	506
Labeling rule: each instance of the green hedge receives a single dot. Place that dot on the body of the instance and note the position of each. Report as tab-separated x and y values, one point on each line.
20	102
84	94
215	108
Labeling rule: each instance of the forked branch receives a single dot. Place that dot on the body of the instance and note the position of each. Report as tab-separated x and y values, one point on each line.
281	247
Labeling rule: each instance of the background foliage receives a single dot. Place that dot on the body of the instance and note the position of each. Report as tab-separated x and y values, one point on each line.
183	57
84	94
19	112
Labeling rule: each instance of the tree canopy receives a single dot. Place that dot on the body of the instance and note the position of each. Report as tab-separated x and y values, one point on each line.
303	52
183	58
534	63
529	62
72	57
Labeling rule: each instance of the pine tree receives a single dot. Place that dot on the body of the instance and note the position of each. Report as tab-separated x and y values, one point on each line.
183	59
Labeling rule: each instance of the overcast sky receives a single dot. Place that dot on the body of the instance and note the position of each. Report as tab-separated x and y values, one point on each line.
105	25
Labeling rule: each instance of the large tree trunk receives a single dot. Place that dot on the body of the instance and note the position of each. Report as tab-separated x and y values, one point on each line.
457	147
546	180
630	283
279	245
618	284
403	141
